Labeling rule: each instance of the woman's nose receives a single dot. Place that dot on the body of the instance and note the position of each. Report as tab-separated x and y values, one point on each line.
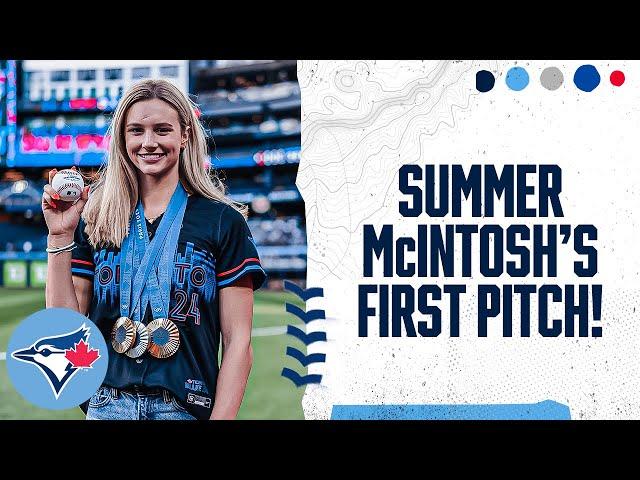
149	141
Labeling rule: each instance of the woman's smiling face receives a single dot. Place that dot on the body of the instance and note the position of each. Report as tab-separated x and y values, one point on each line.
154	137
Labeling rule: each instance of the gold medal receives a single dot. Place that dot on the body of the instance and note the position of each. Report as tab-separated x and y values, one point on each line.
142	341
123	334
164	338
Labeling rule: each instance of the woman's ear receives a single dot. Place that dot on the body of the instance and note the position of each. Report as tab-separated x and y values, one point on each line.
185	137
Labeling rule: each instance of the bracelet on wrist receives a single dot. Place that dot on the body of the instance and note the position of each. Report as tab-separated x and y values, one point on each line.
67	248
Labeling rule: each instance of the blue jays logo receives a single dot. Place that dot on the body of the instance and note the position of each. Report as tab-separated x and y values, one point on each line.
57	358
60	357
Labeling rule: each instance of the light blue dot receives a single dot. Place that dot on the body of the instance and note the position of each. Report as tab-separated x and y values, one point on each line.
517	78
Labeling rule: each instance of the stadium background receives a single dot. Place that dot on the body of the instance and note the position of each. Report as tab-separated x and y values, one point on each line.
56	114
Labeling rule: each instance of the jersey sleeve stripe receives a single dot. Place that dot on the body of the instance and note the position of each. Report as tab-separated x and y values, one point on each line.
239	266
83	262
82	271
246	269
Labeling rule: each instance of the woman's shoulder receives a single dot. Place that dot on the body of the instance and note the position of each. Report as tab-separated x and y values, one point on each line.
220	218
198	201
214	210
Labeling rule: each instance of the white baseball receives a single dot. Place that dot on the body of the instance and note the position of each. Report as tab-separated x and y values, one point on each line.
68	184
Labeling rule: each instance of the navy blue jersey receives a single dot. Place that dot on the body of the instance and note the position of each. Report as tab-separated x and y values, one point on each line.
215	249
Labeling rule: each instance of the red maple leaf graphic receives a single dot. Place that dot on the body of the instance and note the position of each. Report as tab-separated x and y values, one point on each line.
81	356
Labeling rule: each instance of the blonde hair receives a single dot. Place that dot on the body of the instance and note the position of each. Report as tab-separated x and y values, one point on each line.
114	195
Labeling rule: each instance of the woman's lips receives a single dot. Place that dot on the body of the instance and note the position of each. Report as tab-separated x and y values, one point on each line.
151	157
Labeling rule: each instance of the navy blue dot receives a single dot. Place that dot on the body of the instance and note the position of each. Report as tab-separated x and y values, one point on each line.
485	81
586	78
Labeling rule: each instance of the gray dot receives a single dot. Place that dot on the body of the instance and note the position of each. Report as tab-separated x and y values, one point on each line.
551	78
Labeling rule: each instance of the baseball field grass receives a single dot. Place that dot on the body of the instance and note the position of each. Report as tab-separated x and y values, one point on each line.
268	395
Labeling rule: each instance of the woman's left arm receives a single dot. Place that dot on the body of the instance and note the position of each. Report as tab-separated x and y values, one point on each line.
236	314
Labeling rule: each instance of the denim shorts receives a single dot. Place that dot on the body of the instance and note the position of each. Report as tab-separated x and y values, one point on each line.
135	403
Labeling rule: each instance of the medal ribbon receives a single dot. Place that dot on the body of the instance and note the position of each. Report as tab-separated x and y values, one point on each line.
134	273
159	286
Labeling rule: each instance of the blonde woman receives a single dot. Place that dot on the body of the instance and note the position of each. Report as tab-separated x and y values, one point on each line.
163	262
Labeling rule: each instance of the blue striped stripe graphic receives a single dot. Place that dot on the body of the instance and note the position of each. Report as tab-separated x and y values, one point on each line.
546	410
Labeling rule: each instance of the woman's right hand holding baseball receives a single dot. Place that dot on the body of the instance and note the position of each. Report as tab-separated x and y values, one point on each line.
61	217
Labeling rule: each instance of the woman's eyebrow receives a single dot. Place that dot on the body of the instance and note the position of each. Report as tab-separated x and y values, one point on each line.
161	124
